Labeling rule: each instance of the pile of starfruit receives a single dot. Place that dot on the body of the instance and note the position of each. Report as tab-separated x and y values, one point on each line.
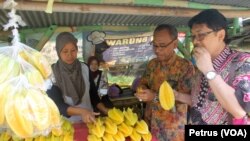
118	126
26	110
63	133
25	75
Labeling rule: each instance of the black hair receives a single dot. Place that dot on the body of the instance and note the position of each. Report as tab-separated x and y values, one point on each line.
170	28
92	58
213	19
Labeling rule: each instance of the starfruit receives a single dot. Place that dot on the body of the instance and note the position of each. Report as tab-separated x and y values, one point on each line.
119	136
98	129
55	118
141	127
116	115
108	137
5	136
34	77
125	129
37	60
38	109
130	117
110	126
147	137
5	90
166	96
93	138
57	131
67	137
16	117
9	68
135	136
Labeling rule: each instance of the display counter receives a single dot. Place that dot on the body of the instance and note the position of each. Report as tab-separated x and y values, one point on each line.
127	99
81	132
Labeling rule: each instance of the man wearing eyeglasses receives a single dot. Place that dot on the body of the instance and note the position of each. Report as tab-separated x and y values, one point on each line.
221	88
165	125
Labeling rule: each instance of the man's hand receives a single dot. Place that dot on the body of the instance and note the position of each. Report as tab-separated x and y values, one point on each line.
203	59
145	95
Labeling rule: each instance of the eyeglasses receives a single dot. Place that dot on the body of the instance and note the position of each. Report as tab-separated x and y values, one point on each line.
201	36
161	46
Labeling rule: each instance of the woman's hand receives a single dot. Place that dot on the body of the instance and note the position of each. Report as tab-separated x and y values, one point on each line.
88	116
100	106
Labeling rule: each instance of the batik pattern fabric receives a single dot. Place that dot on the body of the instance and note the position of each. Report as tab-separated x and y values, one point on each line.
234	68
168	125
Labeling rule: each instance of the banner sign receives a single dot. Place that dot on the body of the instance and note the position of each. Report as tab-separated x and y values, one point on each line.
126	56
128	50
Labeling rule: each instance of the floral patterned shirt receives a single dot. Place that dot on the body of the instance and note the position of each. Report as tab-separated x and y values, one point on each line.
234	68
168	125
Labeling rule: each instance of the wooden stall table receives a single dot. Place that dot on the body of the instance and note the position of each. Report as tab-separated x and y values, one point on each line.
80	132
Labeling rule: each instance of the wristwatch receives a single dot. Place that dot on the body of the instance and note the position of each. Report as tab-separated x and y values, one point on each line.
211	75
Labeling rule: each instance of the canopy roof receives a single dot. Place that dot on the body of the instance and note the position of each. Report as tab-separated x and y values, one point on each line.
121	12
131	13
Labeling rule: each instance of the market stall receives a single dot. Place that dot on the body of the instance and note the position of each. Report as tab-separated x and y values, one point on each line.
127	54
29	114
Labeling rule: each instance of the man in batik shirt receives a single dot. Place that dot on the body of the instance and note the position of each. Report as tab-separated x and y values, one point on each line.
221	93
166	125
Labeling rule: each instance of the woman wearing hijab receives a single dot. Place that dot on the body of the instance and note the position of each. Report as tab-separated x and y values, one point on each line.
99	79
73	89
